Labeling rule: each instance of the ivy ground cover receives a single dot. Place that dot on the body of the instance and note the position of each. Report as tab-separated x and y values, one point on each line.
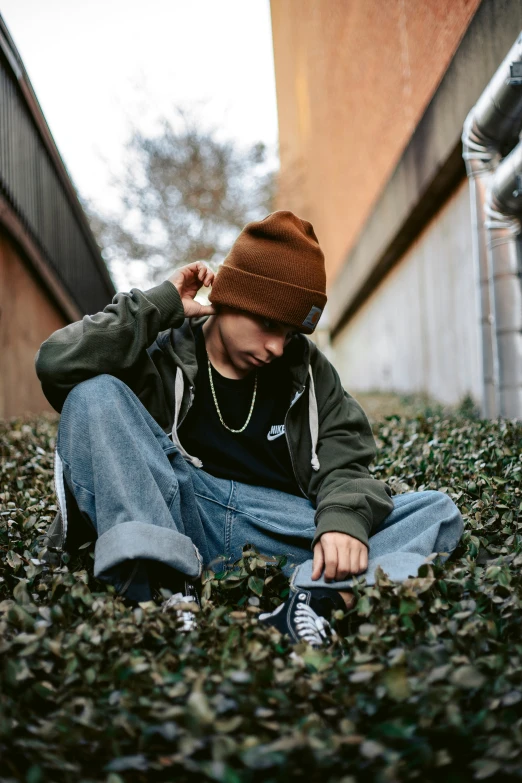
425	684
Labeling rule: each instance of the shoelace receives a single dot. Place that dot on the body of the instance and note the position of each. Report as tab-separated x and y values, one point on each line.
188	618
310	626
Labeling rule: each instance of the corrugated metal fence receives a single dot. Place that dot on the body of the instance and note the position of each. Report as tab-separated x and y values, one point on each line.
46	205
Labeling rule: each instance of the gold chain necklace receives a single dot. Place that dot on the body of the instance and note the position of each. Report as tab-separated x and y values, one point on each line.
216	402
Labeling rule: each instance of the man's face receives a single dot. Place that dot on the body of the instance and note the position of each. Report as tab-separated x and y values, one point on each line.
251	340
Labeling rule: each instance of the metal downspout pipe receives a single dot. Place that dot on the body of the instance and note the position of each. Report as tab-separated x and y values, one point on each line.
490	131
503	214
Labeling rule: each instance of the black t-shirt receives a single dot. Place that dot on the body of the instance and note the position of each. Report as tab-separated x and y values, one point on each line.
259	455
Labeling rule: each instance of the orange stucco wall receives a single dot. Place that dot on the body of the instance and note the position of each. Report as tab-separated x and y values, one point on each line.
27	318
353	78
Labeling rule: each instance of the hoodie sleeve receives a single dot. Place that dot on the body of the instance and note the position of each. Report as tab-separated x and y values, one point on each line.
348	498
113	341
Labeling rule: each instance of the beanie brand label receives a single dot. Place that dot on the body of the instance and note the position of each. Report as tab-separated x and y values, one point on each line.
312	318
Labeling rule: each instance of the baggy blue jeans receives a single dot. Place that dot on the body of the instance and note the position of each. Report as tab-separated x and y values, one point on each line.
145	501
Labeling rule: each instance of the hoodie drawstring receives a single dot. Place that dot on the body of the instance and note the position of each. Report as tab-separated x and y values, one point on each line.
59	491
313	419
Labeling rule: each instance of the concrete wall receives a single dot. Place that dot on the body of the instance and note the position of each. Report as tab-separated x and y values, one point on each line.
27	318
419	330
353	79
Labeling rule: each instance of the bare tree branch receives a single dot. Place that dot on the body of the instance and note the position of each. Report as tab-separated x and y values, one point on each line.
185	195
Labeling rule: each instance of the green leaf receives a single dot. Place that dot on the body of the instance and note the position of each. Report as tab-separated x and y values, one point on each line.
396	683
123	763
256	585
484	768
409	606
34	774
14	560
467	677
20	593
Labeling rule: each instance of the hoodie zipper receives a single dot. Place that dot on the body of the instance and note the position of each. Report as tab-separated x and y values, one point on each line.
297	397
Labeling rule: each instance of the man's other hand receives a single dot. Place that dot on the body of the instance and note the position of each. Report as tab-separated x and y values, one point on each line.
340	555
188	280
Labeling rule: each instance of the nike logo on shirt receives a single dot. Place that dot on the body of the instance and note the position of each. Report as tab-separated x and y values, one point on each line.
276	431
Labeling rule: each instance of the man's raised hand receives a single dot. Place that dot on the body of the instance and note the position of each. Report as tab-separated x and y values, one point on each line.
341	555
188	280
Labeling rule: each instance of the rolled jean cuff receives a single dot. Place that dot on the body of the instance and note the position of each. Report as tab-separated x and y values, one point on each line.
397	566
139	540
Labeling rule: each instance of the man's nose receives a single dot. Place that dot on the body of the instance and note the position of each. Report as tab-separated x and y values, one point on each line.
275	346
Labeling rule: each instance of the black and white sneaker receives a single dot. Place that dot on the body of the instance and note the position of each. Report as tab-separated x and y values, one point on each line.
185	604
305	615
142	580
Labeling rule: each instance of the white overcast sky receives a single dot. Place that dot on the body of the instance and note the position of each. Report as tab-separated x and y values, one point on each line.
93	63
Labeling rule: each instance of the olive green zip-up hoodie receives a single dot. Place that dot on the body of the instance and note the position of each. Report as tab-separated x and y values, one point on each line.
144	339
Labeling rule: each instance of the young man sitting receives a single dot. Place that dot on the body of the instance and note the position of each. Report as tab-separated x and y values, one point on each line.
187	431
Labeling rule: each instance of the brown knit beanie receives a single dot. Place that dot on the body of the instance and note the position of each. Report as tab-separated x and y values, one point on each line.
275	269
